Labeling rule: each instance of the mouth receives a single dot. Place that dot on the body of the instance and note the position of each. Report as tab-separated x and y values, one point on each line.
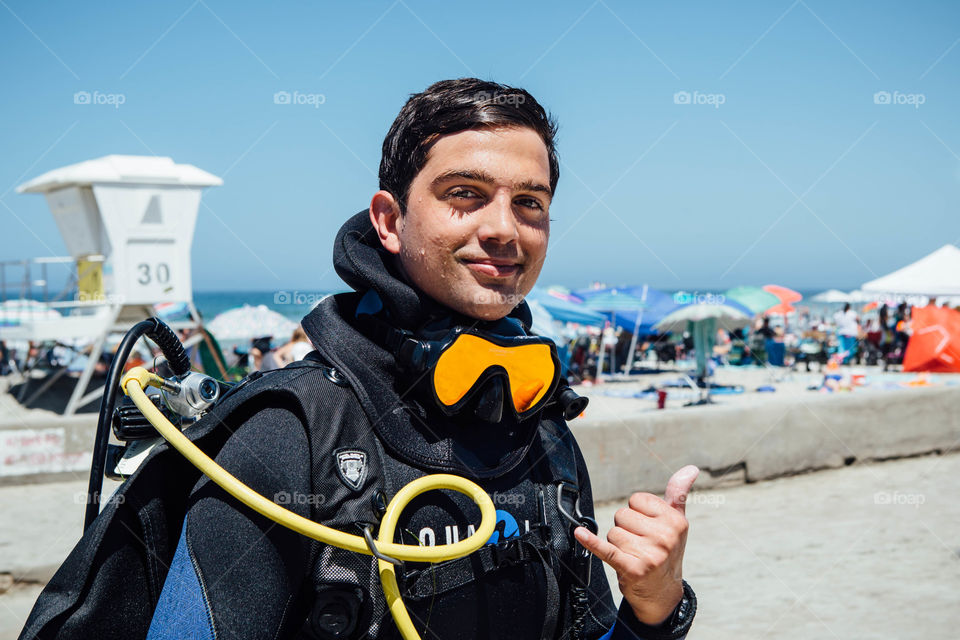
494	267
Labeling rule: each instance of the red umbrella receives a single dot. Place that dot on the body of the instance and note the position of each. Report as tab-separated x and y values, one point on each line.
785	295
935	343
781	309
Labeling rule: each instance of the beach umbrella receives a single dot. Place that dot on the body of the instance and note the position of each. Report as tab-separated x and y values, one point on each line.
247	323
727	315
614	300
831	296
15	312
171	311
657	305
703	319
564	310
754	298
783	294
787	296
542	321
563	293
780	309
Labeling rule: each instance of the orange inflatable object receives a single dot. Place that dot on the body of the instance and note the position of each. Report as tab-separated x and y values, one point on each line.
935	343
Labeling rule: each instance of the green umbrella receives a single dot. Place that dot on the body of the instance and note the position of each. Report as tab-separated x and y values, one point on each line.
753	298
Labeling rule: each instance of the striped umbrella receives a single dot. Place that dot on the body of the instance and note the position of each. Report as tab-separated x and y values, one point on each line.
15	312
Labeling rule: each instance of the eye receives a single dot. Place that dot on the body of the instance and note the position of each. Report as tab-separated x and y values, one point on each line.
529	203
463	194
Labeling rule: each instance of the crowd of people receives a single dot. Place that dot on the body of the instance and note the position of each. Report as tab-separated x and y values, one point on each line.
877	334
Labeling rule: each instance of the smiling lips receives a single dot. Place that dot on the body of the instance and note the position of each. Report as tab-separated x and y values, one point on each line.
496	268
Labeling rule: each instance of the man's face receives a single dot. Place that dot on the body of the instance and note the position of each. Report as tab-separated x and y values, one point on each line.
475	233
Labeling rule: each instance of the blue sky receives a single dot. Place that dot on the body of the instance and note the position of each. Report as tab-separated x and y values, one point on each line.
782	166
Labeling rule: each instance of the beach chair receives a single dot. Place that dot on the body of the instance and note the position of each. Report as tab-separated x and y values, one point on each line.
213	362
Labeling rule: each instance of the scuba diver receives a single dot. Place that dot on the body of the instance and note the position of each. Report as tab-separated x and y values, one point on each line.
427	367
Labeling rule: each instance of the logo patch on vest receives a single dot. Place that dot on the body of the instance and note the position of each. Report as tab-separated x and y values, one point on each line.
352	467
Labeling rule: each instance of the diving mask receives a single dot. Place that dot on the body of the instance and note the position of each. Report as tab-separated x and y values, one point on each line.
483	368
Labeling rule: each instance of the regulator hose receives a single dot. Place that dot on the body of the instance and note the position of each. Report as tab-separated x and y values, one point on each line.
173	351
384	548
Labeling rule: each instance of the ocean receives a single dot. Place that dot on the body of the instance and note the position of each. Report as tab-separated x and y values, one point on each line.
291	304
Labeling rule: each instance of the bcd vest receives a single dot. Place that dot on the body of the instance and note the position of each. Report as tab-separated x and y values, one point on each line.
520	585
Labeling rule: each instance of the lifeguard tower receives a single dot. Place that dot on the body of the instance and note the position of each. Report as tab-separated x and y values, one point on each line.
128	223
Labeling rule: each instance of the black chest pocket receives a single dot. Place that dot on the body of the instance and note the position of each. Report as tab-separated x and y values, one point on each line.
503	590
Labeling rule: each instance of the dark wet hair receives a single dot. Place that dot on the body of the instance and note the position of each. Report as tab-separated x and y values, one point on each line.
450	106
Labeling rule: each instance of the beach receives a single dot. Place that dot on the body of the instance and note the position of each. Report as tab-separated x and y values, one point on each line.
867	551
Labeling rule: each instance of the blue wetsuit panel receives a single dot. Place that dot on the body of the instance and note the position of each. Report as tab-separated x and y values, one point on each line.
182	612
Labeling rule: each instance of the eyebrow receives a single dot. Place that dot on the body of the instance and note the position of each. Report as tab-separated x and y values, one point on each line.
486	178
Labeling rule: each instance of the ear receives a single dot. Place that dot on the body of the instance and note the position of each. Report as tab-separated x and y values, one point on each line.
385	218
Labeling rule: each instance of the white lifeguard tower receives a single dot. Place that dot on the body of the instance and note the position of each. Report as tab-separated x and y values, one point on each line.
128	223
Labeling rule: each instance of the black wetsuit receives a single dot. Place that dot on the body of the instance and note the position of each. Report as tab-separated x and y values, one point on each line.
336	458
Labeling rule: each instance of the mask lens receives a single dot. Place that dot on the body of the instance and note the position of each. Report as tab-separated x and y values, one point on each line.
530	368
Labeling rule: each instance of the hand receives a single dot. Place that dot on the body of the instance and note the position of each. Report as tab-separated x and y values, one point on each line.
646	546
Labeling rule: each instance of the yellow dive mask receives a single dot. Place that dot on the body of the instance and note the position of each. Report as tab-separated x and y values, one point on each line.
468	369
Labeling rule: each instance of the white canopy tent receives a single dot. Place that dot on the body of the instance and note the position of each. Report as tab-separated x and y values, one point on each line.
937	274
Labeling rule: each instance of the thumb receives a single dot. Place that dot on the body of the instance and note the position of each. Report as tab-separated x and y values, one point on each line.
679	486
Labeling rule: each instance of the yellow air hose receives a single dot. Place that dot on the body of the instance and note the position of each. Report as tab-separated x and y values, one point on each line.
133	384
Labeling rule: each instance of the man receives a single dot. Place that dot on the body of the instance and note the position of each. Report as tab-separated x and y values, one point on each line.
848	332
451	243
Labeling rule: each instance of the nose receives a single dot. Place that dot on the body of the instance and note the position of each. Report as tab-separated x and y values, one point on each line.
498	223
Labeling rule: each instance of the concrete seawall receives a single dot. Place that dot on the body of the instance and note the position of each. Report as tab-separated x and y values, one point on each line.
45	447
629	447
629	451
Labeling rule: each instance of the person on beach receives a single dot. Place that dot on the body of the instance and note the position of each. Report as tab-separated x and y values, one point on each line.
298	347
848	331
452	241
